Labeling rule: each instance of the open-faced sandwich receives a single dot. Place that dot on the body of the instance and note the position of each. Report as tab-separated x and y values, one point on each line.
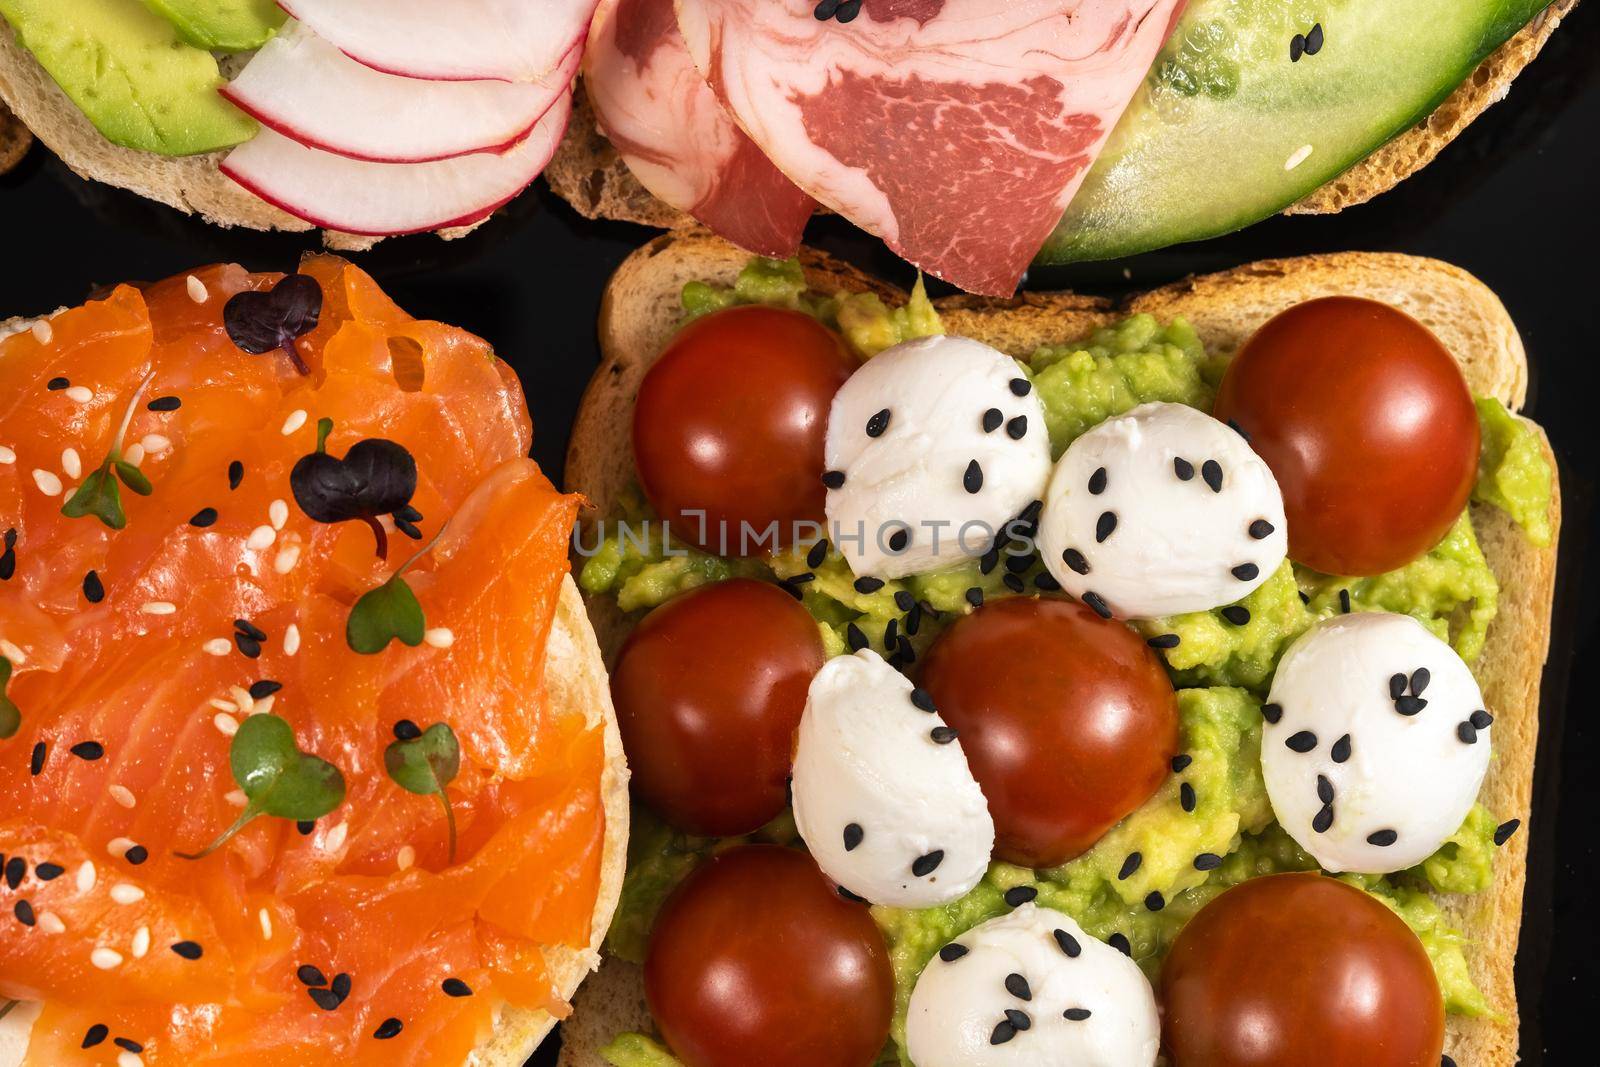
306	749
1048	681
975	136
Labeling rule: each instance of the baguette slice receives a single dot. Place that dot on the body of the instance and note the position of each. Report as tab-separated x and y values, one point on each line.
589	174
640	311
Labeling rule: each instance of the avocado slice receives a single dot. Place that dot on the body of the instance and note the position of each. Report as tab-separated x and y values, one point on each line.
128	71
1230	127
222	25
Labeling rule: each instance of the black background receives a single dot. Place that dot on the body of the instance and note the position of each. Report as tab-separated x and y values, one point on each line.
1512	200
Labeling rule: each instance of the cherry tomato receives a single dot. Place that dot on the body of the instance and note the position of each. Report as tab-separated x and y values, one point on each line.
1365	419
1295	969
755	959
709	691
730	422
1068	720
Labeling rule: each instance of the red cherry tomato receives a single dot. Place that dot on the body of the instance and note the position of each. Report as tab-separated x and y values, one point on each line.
709	691
1295	969
755	959
1368	426
730	422
1068	720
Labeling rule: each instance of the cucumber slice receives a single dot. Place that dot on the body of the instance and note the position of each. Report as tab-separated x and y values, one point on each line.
1228	128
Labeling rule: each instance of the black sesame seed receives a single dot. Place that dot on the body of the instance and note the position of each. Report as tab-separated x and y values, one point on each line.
305	827
1314	40
1098	603
1075	560
852	836
817	554
1105	526
989	561
1119	941
1503	832
1344	601
878	423
164	403
1297	47
1397	686
36	759
1323	821
1180	762
94	590
914	619
992	420
1164	641
1207	861
1186	797
189	950
943	735
1155	901
1382	838
1272	712
904	600
1130	865
972	480
264	688
390	1027
1017	428
1467	733
1003	1032
1446	1061
203	518
310	975
88	750
340	985
923	866
854	898
1480	719
1302	741
788	586
1019	895
1261	529
974	596
455	987
1324	789
16	868
1341	749
128	1044
1182	468
1012	582
1420	679
922	700
854	637
825	10
48	872
235	474
868	585
96	1035
833	479
1409	705
1076	1015
1021	387
1246	572
249	647
250	629
24	913
55	385
1097	481
1018	1019
848	10
1068	944
952	952
1211	471
898	540
136	855
1237	614
1017	986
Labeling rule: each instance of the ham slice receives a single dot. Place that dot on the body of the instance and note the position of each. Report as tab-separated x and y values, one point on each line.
665	121
956	130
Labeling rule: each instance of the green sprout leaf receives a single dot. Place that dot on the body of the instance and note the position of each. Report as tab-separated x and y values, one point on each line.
387	613
425	765
10	715
98	494
132	477
278	778
324	428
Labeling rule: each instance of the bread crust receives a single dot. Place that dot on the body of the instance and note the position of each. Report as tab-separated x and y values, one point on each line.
640	311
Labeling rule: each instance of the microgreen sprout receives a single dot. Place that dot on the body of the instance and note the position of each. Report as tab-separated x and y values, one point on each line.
425	765
98	494
390	612
262	322
375	478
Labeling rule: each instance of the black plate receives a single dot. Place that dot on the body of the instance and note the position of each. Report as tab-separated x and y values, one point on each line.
1512	200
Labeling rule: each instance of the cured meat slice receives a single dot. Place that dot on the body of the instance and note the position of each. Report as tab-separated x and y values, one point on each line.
676	139
956	130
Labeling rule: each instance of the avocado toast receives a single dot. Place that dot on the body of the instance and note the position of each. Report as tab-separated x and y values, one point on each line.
642	309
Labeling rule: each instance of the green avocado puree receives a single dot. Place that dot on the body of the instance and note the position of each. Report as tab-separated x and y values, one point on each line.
1222	670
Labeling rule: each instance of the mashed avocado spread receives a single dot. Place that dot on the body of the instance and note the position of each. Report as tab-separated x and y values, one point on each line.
1216	805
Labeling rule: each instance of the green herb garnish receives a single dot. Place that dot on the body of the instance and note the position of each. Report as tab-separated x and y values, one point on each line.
424	765
98	494
388	613
277	777
10	714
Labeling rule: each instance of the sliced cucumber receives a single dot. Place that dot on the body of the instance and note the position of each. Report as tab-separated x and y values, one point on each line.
1229	128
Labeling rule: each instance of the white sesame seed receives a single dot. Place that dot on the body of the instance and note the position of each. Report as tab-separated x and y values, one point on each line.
1297	157
105	958
223	705
141	940
81	394
197	289
86	876
296	419
439	637
266	923
264	705
12	653
217	646
119	846
8	456
129	1059
236	797
241	696
155	443
122	795
126	893
288	557
159	607
227	724
291	640
134	455
51	923
43	332
48	483
260	538
278	513
336	836
405	857
71	463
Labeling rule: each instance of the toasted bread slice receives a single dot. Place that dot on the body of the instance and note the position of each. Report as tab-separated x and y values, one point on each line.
588	173
641	310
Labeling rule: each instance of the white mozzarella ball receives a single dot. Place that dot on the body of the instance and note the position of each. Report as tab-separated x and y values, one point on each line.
933	446
1081	1001
1376	742
1161	511
883	795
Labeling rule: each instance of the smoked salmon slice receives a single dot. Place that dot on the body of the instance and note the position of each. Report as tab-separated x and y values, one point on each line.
378	932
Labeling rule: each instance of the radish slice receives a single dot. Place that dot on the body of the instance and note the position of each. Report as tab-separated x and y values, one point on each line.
508	40
309	91
388	199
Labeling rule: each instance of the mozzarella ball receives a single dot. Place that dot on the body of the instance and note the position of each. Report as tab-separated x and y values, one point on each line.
1376	742
1161	511
1080	1001
932	447
883	795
